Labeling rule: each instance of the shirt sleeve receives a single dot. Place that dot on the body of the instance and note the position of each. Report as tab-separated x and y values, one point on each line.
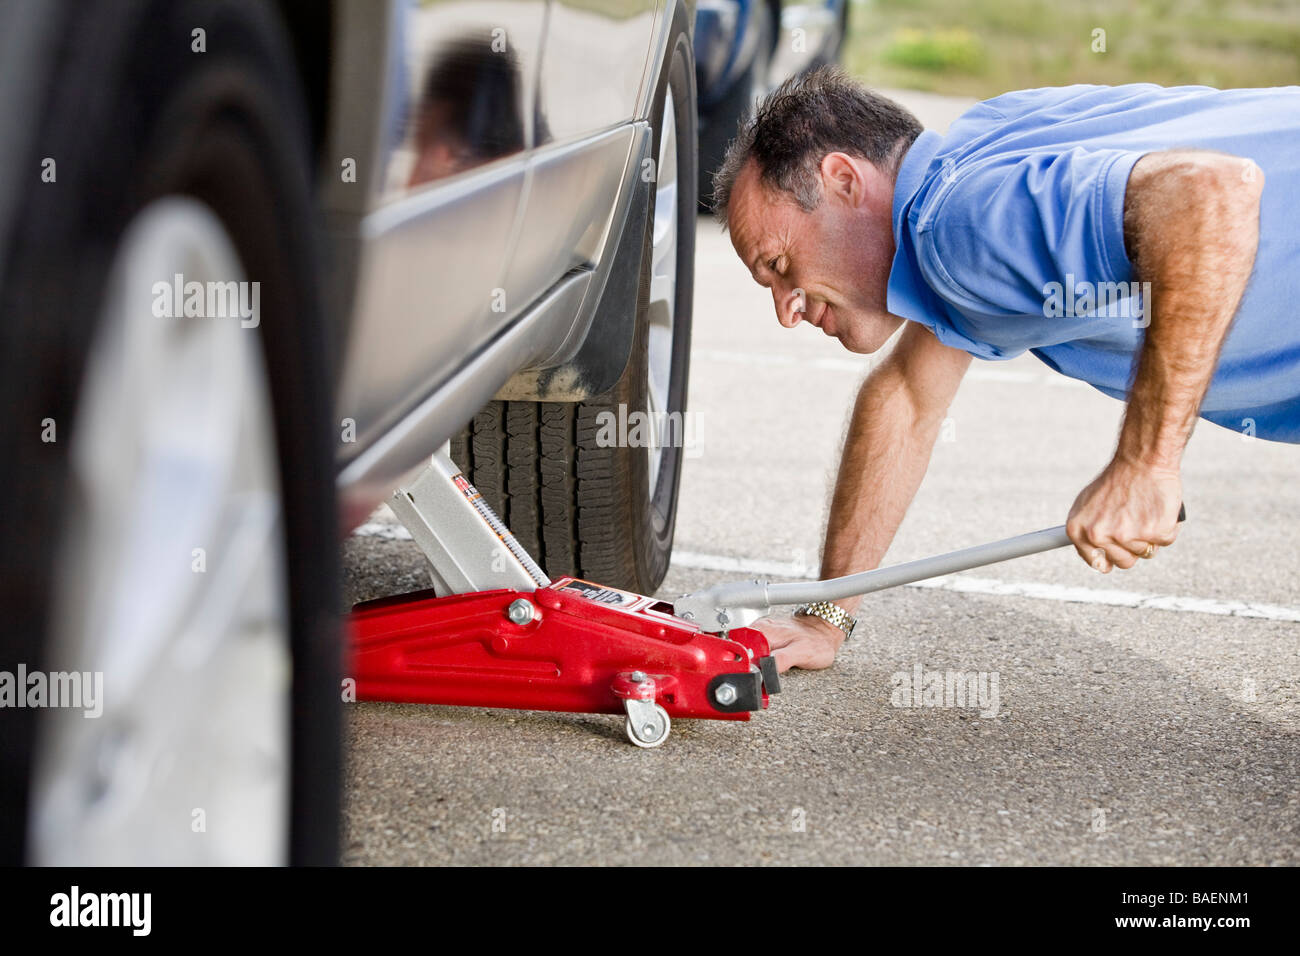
1004	229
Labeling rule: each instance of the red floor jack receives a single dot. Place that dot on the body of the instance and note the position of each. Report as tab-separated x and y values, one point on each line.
496	632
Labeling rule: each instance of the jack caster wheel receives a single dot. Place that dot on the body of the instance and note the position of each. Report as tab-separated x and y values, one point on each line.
647	725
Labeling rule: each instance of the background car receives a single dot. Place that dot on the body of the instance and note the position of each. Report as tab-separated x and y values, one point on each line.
744	48
258	261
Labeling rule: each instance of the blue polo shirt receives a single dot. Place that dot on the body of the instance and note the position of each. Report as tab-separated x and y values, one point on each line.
1010	236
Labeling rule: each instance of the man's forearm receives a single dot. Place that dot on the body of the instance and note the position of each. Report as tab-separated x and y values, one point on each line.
1191	225
1194	231
885	455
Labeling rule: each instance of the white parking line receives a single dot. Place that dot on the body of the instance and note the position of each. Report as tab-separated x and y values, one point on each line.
745	567
857	366
1028	589
983	372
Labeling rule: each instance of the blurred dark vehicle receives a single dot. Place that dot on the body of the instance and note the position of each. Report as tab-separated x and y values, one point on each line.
258	261
743	49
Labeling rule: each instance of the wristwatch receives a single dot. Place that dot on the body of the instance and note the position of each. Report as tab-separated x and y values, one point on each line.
831	614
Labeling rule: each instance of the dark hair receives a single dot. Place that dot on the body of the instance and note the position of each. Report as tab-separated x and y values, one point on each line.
804	119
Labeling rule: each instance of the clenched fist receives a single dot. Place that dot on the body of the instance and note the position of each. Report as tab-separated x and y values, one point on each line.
1128	512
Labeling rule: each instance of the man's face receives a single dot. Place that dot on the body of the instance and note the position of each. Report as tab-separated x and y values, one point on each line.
829	267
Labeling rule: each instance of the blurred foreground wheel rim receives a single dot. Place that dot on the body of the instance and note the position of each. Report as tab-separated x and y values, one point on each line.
172	578
663	295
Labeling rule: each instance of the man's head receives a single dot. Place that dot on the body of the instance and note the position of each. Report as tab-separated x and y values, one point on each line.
807	190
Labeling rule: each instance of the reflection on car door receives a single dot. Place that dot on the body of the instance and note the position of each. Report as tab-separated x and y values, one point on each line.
590	87
458	128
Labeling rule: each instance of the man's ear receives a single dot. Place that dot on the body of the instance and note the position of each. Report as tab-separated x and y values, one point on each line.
842	179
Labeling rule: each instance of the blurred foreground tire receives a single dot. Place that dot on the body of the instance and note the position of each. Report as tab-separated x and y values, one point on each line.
169	507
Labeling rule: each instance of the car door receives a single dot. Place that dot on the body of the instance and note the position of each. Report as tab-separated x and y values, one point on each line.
457	128
590	90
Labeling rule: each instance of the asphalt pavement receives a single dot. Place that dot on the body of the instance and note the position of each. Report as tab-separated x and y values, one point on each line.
1141	717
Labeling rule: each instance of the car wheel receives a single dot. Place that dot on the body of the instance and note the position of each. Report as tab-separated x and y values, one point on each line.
835	44
170	516
582	488
719	127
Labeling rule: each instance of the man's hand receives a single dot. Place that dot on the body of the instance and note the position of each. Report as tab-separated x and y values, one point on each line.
804	641
1125	514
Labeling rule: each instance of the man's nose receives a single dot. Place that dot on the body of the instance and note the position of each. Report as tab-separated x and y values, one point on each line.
790	305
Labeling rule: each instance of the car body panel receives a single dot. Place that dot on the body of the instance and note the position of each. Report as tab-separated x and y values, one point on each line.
473	248
572	195
577	97
404	449
424	296
457	121
460	267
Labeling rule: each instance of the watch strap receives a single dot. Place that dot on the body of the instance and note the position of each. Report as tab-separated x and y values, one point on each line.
831	614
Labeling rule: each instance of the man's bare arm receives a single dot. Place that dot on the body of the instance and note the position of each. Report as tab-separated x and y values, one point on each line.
1192	229
896	419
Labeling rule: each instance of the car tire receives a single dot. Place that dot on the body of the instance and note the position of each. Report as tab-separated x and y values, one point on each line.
579	504
718	128
831	53
150	133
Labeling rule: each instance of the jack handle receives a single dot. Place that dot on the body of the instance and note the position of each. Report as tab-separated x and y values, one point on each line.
740	603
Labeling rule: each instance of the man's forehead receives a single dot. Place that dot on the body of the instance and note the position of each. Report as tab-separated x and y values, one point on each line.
749	212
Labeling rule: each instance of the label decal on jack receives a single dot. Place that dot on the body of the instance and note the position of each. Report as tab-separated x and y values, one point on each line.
601	594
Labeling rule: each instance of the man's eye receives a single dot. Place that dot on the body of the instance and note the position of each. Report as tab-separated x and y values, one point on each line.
772	265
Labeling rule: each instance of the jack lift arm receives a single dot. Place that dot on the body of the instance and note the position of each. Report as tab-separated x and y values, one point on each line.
495	631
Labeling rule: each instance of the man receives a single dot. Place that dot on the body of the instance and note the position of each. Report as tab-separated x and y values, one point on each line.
1114	232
